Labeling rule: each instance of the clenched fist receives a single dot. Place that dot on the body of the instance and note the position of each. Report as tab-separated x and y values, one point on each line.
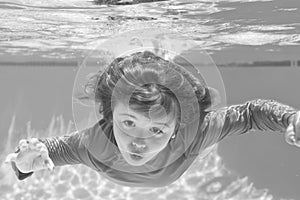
292	135
31	156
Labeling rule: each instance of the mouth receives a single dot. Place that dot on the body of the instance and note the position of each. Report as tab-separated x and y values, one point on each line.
136	156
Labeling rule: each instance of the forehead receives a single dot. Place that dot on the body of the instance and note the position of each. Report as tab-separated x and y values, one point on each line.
121	109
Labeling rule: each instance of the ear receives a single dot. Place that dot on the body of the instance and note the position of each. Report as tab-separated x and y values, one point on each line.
215	98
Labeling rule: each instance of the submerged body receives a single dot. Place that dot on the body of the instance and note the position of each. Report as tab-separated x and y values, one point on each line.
96	147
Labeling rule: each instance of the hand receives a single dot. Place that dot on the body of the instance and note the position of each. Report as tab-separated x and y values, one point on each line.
292	135
32	156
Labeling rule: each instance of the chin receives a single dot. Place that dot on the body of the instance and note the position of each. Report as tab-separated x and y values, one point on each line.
133	162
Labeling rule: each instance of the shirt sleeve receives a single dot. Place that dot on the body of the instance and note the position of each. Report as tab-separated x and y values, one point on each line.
68	149
262	115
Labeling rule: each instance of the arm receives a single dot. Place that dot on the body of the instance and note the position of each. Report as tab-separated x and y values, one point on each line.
63	150
67	149
257	114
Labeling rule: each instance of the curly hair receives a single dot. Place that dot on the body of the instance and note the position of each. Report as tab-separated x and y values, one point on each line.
154	82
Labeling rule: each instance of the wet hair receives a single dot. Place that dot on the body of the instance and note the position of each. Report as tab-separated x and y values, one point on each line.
151	82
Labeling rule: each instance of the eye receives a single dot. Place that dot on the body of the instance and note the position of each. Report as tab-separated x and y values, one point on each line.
156	130
129	123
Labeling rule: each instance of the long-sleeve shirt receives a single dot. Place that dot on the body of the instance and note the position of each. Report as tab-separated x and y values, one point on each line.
96	147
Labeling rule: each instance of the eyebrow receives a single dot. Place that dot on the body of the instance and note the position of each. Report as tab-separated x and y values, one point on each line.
160	123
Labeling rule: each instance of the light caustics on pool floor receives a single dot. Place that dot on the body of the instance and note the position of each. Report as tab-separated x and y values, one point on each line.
206	179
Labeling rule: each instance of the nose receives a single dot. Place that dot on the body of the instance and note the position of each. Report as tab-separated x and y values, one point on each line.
138	146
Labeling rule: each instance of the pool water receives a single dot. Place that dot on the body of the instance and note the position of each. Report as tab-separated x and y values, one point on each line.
42	41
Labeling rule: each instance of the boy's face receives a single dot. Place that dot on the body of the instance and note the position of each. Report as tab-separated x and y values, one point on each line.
140	138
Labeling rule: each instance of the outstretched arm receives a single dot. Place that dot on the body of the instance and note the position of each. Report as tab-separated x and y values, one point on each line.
257	114
63	150
67	149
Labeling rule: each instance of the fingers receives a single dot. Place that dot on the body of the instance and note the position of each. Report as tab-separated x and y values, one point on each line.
292	135
47	160
30	144
33	143
38	146
10	158
297	131
23	145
